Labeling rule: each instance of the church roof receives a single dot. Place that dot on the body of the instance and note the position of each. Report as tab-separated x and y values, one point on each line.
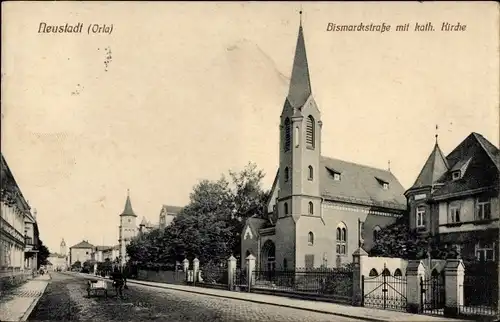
128	211
300	82
435	166
360	184
144	222
83	244
171	209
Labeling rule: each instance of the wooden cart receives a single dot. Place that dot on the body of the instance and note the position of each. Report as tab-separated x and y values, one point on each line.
94	287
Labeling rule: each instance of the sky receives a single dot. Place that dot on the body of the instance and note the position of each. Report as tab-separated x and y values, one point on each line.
180	92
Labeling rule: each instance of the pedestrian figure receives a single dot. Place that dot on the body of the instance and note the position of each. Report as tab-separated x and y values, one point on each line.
118	281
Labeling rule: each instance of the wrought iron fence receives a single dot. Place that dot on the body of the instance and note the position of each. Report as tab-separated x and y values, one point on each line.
480	295
214	276
432	297
240	280
384	292
334	283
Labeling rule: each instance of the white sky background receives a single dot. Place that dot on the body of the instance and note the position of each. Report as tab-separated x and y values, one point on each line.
196	89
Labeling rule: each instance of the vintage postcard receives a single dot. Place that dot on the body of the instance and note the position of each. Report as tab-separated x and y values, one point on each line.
250	161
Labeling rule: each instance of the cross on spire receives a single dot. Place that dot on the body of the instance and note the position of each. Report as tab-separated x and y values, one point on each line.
389	165
300	13
436	133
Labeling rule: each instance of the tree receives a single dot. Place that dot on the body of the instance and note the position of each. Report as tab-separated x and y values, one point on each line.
398	240
43	254
76	265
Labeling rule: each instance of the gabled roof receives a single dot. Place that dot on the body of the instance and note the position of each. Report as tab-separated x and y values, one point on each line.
300	83
102	248
482	171
128	211
257	223
360	184
173	210
83	244
435	166
144	222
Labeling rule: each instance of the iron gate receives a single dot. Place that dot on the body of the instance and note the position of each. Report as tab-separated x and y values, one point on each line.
384	291
432	295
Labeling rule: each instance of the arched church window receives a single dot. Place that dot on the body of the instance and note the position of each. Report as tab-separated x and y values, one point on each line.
310	238
386	272
288	135
287	174
311	173
341	246
373	272
310	132
285	206
397	272
311	208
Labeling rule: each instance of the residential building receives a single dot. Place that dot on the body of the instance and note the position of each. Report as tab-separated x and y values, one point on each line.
321	209
146	226
80	252
59	261
112	253
18	227
455	198
167	215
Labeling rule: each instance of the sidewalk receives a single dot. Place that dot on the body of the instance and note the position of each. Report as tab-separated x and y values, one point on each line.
19	302
361	313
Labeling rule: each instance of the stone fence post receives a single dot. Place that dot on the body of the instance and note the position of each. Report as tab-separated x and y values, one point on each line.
454	272
415	271
185	268
358	259
231	271
250	271
196	269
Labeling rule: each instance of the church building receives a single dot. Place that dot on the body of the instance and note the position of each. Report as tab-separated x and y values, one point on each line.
321	209
127	229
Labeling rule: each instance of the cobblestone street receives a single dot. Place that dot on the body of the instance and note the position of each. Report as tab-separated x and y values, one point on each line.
66	299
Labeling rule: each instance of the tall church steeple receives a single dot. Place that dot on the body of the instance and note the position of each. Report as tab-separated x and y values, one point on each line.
300	82
128	211
300	142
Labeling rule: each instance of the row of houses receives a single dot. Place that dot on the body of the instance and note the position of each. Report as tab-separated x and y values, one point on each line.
85	251
19	234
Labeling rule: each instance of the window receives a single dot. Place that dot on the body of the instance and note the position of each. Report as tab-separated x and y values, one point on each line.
385	186
455	175
373	272
420	217
310	238
285	264
311	173
376	233
397	272
287	174
288	135
336	176
483	208
386	272
454	213
285	206
310	132
311	208
485	251
341	239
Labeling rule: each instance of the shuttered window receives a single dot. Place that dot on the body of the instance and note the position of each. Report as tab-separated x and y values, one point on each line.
310	132
288	135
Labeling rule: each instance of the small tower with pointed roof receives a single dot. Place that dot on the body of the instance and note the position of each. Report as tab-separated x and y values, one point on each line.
422	214
127	228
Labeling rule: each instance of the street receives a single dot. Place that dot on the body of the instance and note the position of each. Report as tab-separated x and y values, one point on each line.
66	299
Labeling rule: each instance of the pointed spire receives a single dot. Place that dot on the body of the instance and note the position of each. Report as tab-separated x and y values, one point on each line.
300	84
128	211
435	166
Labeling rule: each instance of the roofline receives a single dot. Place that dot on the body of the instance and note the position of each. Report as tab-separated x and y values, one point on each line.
495	162
463	193
364	202
275	183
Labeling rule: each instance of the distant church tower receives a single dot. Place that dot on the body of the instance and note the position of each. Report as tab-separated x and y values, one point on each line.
127	229
62	249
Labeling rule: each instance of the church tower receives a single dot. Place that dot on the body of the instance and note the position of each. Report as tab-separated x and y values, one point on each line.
127	229
62	248
299	151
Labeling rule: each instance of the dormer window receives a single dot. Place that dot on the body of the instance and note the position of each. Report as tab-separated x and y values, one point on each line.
383	183
336	176
455	175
